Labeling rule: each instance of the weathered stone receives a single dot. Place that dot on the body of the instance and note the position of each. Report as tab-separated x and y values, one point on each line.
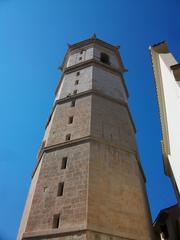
103	196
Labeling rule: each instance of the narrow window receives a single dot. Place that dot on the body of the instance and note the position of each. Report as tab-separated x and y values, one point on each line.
76	82
78	73
81	52
60	189
80	58
68	137
73	103
56	220
104	58
70	121
75	91
64	163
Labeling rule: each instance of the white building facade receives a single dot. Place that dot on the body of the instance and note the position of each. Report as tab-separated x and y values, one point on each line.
167	79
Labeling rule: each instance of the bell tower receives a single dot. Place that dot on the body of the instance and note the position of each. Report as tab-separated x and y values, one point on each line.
88	183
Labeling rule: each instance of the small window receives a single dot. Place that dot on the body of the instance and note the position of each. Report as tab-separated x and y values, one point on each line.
60	189
81	52
75	92
64	163
80	58
73	103
70	121
104	58
78	73
45	189
76	82
56	220
68	137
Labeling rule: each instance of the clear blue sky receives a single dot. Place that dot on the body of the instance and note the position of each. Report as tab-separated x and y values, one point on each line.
33	40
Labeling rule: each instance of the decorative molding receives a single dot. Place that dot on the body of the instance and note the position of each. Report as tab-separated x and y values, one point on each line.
53	233
91	62
87	139
91	40
88	63
89	92
90	43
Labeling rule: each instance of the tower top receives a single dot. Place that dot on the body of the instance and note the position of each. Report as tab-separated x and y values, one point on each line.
92	42
92	39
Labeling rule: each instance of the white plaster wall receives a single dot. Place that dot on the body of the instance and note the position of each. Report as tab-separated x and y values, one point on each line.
92	78
75	56
90	53
48	128
68	82
172	102
109	83
113	59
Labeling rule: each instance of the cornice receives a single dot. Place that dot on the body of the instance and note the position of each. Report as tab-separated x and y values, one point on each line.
88	63
90	43
175	66
77	141
93	40
53	233
90	92
50	234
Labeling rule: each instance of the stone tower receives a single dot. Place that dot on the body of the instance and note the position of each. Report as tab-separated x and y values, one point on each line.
88	183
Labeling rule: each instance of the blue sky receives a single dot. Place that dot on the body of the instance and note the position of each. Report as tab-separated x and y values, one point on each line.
33	40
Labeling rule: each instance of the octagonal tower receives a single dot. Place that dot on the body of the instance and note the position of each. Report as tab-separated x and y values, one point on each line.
88	183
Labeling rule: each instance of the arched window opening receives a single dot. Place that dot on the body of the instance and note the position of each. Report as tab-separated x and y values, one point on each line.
104	58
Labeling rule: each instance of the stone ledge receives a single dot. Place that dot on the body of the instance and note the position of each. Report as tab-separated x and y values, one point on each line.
86	140
91	42
57	233
92	62
89	92
50	233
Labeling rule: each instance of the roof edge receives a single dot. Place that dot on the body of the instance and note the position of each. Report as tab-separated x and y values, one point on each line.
93	39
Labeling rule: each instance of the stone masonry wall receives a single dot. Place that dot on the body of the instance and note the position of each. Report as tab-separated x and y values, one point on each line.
68	84
80	127
111	123
116	196
72	205
108	83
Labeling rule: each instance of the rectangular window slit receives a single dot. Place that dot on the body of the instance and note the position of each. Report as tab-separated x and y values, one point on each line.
68	137
56	220
70	121
60	189
76	82
78	73
64	163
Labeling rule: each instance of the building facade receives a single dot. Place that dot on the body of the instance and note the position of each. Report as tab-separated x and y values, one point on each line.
167	224
167	80
88	182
